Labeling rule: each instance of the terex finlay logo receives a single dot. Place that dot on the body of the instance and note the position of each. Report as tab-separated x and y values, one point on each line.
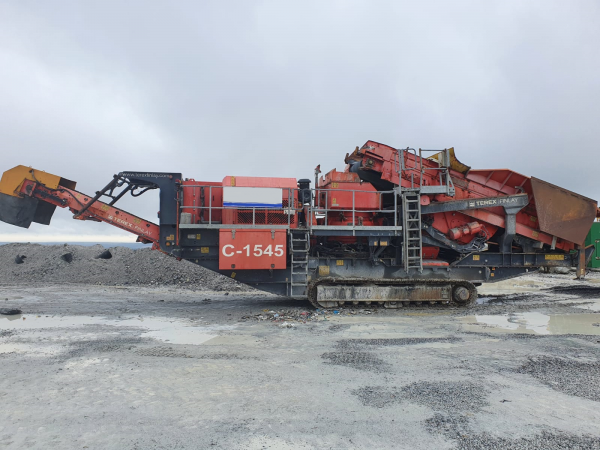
486	203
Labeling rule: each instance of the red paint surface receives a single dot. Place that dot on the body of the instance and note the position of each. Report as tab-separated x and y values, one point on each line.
198	196
246	249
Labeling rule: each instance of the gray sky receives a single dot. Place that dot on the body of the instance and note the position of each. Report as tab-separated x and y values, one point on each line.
273	88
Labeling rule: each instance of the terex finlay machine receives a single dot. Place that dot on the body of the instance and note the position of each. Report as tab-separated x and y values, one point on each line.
397	226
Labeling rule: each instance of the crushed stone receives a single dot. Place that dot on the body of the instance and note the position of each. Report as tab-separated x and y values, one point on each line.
347	343
447	395
581	379
546	440
168	352
93	265
457	427
377	396
444	396
364	361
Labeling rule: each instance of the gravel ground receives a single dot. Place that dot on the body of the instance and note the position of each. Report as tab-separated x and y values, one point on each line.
581	379
189	366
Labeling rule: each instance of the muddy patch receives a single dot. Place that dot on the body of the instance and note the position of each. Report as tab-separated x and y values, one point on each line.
101	346
579	291
173	331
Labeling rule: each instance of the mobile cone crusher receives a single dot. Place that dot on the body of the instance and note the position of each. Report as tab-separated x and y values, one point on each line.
396	227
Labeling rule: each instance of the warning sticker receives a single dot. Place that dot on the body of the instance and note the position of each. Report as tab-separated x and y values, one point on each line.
555	257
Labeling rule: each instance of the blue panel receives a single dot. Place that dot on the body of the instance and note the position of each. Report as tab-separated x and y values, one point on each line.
252	205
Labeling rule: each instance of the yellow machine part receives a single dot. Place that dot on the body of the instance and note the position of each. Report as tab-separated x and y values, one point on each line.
12	179
455	164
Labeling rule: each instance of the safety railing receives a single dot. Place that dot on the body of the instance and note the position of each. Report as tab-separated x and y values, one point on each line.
402	165
291	212
446	186
239	216
323	210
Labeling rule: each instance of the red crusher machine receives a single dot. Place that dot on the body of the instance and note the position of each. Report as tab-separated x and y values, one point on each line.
397	226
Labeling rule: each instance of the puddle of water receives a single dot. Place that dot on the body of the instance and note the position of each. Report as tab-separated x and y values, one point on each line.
535	323
160	328
232	340
12	317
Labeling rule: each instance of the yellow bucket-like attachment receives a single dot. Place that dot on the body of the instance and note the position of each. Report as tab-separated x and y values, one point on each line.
21	210
454	163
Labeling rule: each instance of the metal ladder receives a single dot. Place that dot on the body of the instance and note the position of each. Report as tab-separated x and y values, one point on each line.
411	221
299	247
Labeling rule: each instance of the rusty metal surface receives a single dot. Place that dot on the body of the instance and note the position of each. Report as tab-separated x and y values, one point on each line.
563	213
330	292
383	293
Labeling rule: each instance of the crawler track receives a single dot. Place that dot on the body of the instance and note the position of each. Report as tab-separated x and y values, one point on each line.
409	292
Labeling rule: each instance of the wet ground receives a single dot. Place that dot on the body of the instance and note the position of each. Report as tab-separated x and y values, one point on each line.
163	368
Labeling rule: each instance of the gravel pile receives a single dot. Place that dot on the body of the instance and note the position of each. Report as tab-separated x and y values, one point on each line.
581	379
117	266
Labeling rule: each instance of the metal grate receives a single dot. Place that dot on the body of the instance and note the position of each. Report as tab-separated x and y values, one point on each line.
263	217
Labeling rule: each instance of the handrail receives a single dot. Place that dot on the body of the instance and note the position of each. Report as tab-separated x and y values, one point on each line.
293	207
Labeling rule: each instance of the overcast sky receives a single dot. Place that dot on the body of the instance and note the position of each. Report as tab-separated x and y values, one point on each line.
273	88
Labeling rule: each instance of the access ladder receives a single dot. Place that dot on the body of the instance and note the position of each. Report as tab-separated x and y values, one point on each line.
299	248
411	221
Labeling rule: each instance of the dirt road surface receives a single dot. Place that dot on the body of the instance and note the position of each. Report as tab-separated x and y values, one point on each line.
97	367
